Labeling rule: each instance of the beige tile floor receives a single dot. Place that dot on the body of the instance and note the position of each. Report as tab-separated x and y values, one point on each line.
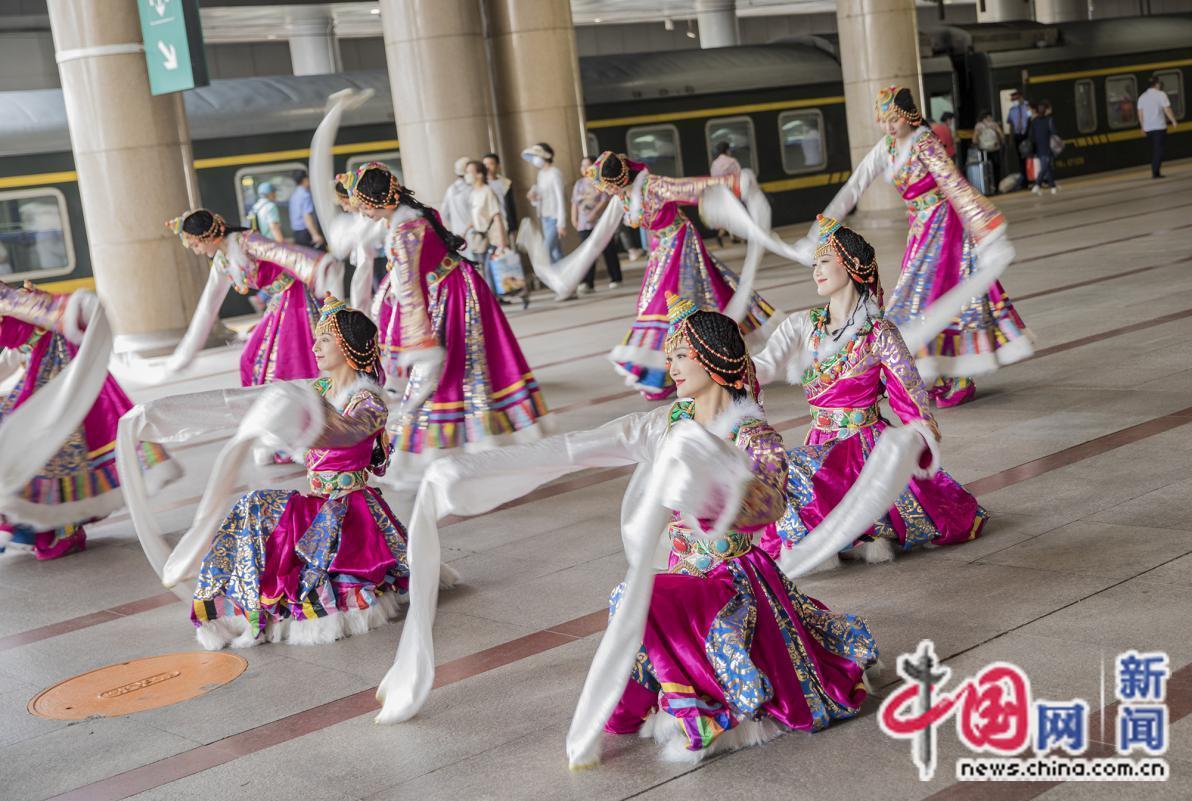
1078	563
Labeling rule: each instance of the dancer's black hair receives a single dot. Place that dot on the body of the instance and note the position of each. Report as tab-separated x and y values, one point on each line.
360	334
612	167
376	185
859	249
199	222
340	189
722	337
906	101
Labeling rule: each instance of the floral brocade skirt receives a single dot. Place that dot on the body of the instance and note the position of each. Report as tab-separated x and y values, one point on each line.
935	510
741	645
284	557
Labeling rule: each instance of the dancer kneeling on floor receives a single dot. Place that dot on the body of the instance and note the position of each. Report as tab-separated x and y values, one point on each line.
311	568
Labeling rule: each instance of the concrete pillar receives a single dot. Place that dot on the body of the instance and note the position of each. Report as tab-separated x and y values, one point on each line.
132	156
439	77
717	23
1053	11
314	49
879	47
1003	10
536	72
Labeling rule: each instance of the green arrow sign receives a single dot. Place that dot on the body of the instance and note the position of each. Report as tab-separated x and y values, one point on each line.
173	45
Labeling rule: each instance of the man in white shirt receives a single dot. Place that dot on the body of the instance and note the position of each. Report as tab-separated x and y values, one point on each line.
548	197
457	207
1154	115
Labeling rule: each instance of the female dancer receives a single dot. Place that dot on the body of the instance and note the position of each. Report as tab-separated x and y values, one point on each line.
846	355
311	568
469	384
722	648
678	263
80	483
279	347
953	231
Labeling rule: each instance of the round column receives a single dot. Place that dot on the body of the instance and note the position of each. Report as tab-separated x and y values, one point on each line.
717	23
439	77
879	47
537	87
313	47
1053	11
1003	10
131	153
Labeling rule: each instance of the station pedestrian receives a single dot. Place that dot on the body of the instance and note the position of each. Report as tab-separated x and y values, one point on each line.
943	131
547	196
266	217
587	204
456	208
1040	132
1154	115
1018	118
302	214
503	186
990	140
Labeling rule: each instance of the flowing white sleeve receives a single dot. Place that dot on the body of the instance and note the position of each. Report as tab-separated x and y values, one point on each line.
341	230
564	275
201	323
866	173
470	484
785	355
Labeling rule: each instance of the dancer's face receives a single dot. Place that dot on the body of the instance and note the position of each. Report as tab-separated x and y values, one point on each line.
691	379
830	275
204	247
374	213
328	356
896	127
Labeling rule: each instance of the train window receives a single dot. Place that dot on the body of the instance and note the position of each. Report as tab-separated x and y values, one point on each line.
1173	85
593	145
390	158
1086	106
658	147
801	134
738	132
1121	92
281	176
34	234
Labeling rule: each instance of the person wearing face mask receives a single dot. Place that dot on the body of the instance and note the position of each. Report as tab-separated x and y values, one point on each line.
846	355
457	206
279	348
548	197
955	233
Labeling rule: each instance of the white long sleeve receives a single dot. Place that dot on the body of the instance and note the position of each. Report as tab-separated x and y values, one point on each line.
785	355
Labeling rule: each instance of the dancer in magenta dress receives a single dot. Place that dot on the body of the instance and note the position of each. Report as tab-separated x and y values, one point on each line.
81	482
309	568
720	650
679	263
469	385
953	231
847	355
279	347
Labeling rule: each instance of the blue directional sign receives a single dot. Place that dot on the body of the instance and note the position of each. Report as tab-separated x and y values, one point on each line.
173	39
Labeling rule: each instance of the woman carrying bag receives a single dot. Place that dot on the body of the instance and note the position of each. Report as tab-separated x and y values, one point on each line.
488	238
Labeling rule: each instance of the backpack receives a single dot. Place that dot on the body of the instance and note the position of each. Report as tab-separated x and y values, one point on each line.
987	140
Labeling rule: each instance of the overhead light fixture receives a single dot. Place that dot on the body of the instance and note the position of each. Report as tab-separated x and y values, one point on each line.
597	19
271	36
690	32
374	11
668	23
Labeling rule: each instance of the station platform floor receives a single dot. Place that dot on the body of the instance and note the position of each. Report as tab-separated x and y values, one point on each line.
1081	455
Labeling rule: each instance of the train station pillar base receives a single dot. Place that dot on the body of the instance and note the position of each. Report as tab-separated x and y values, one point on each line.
879	47
537	87
1053	11
441	85
1003	10
717	23
133	160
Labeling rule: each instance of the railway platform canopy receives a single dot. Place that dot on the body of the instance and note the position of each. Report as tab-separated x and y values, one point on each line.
1049	657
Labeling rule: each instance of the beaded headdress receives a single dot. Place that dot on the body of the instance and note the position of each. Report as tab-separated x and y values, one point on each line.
887	110
615	183
390	197
365	360
829	242
727	371
217	230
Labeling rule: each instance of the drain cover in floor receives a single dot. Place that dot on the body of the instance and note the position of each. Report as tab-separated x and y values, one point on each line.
138	685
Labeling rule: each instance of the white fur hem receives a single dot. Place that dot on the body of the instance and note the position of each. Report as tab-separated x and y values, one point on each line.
234	631
972	364
44	516
669	734
932	446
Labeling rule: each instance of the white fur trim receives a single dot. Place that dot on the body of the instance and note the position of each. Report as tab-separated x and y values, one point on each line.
339	397
971	364
930	444
731	417
634	216
755	340
669	734
876	551
234	631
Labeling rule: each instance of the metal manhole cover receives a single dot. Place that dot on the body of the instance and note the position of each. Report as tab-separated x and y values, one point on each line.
138	685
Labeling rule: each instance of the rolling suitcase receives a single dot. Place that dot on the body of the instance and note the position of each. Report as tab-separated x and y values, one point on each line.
980	174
